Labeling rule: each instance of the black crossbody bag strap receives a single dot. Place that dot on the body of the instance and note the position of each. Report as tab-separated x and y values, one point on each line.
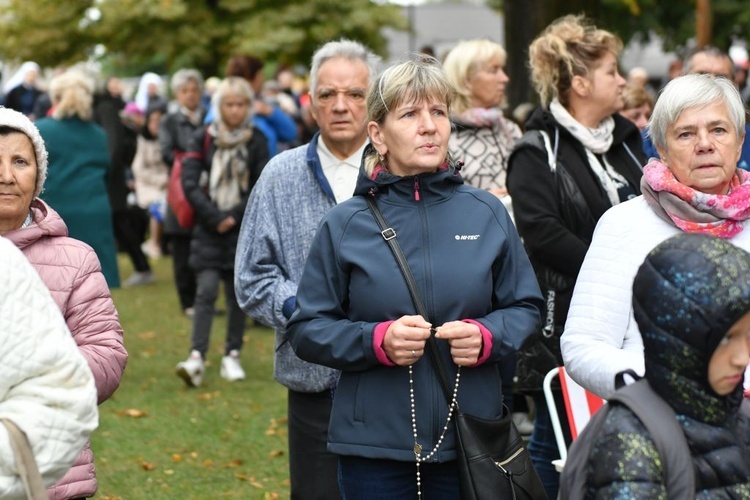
389	235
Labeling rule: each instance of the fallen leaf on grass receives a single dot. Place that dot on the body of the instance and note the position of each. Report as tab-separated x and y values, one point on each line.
273	428
208	463
276	453
147	335
207	396
176	458
147	465
233	464
257	484
271	496
169	472
132	412
241	477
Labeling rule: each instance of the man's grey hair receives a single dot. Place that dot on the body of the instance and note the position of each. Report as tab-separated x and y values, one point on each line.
183	76
347	49
710	51
691	92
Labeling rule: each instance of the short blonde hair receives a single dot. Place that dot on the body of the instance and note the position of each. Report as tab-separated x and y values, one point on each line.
72	95
416	80
570	46
232	85
462	63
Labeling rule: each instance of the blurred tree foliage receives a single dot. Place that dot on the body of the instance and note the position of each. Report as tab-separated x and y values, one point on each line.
675	22
164	35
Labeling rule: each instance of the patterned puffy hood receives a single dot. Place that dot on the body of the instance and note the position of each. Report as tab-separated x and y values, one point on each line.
687	293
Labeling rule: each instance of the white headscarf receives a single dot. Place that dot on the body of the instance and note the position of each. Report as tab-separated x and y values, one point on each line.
141	96
20	75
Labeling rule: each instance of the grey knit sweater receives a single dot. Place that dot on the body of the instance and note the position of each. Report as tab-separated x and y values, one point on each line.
281	219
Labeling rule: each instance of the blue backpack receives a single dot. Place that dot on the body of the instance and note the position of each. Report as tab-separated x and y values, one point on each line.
665	430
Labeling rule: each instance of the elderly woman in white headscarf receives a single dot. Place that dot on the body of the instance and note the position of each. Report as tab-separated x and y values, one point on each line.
21	91
148	95
69	268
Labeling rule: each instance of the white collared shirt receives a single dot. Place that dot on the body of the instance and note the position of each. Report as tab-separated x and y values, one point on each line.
341	174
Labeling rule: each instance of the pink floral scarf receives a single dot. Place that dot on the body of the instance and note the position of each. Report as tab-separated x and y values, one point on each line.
694	211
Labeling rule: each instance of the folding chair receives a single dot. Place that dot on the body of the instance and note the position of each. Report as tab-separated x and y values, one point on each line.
580	405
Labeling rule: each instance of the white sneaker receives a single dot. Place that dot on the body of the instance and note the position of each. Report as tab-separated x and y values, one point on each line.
151	250
524	424
231	369
192	369
139	278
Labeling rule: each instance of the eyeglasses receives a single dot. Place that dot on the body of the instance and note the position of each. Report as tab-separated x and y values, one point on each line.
355	94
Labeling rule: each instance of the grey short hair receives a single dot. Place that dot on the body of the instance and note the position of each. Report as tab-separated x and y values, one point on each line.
710	51
694	91
183	76
347	49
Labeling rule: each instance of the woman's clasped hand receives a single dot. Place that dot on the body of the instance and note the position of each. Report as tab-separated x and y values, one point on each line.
406	340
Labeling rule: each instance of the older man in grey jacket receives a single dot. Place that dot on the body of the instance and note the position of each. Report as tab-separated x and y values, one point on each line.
295	190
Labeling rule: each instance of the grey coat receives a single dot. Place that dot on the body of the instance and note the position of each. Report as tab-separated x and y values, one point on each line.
280	221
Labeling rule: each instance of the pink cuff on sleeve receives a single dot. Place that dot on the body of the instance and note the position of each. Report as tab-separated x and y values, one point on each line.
377	343
486	341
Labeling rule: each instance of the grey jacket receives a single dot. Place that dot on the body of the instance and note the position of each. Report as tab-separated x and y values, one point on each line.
281	219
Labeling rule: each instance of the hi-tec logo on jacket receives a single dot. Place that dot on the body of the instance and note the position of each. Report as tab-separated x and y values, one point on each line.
467	237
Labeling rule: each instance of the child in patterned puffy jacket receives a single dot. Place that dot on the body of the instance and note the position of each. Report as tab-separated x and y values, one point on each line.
691	300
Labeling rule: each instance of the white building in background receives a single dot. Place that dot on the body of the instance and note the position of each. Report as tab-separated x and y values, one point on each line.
443	25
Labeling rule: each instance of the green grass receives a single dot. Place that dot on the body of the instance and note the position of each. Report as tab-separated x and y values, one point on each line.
159	439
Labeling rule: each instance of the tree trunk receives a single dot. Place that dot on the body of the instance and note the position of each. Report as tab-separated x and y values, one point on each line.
523	22
703	22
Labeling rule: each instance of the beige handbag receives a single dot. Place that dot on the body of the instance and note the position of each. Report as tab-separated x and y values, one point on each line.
27	468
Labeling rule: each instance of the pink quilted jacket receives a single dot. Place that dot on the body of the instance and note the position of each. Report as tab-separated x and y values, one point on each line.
72	272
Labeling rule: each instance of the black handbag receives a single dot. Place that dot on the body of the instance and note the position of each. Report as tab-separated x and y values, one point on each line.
493	462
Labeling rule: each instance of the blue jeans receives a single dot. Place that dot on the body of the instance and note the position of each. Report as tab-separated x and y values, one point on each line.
371	479
543	446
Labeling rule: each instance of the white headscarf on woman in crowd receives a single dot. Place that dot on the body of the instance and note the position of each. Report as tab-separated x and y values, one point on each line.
20	76
141	95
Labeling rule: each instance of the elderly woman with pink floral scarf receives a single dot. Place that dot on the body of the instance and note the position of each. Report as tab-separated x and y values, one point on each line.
698	127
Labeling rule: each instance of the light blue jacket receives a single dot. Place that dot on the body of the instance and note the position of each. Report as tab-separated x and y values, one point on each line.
280	221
